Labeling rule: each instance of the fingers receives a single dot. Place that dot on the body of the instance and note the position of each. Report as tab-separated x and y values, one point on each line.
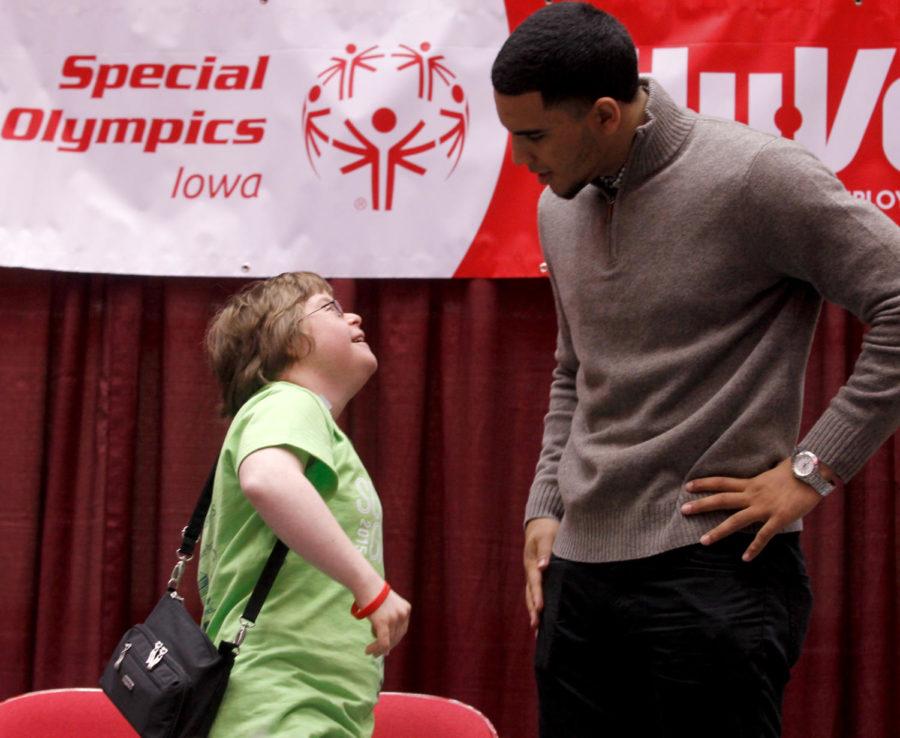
766	533
723	501
730	494
534	596
389	624
732	524
381	646
774	498
539	536
716	484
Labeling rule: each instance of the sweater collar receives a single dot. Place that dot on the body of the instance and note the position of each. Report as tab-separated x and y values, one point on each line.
657	141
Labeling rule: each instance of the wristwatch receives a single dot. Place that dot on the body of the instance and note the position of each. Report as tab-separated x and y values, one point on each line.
805	465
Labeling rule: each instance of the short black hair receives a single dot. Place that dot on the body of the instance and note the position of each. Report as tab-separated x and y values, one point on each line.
568	51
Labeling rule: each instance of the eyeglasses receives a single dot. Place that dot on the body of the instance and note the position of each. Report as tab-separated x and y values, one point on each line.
333	305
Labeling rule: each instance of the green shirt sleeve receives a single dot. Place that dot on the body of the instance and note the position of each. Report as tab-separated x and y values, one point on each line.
294	419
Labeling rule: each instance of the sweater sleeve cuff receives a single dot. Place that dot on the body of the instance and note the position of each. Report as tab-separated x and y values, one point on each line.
544	502
843	447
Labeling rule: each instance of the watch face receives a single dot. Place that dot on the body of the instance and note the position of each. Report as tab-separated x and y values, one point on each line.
804	464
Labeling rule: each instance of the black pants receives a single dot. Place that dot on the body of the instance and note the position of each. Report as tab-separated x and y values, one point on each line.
691	643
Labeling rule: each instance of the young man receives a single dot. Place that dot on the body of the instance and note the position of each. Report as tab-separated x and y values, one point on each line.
688	257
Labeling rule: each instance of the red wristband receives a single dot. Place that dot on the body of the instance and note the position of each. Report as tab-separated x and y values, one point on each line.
363	612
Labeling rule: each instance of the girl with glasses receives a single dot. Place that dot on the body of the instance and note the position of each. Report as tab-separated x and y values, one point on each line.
288	360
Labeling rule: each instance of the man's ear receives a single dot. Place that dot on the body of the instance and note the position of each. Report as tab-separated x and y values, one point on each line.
605	115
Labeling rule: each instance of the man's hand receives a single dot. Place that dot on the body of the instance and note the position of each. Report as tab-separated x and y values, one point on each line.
774	498
539	536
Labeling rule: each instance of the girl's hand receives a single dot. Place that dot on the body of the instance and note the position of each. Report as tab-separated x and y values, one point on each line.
389	624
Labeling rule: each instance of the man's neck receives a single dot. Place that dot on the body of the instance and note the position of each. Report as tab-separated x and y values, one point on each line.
634	115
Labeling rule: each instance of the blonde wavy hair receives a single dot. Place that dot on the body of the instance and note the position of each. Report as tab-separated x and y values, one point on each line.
257	334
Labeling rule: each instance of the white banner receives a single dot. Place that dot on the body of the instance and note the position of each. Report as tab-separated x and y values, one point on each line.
247	138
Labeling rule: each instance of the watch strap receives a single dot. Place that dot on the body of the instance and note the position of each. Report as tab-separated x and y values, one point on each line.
818	483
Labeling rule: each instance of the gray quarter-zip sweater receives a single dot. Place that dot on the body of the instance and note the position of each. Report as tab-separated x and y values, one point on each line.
686	313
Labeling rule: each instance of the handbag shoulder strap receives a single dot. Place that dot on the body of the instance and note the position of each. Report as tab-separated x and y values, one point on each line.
265	582
191	534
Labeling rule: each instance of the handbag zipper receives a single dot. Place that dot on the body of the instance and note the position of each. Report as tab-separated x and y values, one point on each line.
118	662
156	655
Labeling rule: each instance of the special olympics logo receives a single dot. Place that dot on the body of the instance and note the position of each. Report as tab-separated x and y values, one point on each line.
382	110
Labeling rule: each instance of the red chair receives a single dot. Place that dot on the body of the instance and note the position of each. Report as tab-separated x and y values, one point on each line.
87	713
62	713
404	715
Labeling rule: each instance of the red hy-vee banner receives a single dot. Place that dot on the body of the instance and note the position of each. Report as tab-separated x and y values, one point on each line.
357	144
827	77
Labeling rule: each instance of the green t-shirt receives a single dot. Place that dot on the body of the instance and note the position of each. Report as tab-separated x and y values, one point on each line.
302	671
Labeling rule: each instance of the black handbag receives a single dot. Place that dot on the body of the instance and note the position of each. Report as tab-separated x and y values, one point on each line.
166	677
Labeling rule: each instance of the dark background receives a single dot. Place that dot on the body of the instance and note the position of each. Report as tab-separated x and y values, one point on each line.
110	424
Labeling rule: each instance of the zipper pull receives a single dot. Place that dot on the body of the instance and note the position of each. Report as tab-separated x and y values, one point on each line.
609	211
122	653
159	650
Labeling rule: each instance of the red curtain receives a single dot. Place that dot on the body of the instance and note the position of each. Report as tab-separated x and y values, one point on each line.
110	425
